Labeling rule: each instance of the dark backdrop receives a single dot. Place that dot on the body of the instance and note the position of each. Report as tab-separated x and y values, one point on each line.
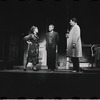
17	16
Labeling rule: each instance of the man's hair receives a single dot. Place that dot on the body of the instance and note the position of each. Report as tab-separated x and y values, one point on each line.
74	19
51	25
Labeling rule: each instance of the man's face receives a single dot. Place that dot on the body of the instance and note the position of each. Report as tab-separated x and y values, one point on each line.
51	28
71	22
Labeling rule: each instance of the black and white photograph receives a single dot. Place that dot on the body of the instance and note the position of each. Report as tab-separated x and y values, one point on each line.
49	49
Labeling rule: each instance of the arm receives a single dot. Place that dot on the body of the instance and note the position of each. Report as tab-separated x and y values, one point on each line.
27	37
57	38
76	35
46	42
67	34
38	41
29	42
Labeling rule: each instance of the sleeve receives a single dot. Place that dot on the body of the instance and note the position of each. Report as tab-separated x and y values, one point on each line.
27	37
76	34
57	38
46	42
36	38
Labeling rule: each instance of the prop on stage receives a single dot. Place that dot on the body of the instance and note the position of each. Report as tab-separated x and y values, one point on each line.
95	55
42	55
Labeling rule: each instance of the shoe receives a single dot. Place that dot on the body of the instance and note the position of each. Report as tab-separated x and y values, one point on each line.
24	69
34	69
78	71
74	71
52	71
49	70
55	70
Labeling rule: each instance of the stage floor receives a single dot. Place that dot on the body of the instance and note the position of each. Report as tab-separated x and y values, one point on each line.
58	71
18	83
83	65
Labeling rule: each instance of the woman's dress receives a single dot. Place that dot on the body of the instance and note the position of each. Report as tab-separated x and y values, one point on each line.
33	48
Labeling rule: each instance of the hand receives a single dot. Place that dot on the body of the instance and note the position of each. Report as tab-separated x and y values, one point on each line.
67	35
29	42
93	55
74	45
56	51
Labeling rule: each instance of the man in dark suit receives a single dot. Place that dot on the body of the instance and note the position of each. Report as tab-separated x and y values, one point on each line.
52	39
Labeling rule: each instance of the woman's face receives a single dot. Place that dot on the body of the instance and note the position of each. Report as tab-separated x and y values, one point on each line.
36	30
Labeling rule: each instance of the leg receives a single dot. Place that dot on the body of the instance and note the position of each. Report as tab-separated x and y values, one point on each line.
34	67
77	64
75	61
72	59
49	59
49	63
54	60
34	64
26	65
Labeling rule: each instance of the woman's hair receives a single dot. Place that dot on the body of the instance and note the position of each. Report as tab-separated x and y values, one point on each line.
74	19
32	29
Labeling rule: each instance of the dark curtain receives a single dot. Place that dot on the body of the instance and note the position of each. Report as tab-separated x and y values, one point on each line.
16	50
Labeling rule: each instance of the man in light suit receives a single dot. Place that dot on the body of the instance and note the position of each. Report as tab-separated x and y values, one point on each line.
52	39
74	46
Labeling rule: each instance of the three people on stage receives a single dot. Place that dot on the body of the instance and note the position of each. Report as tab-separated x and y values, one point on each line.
74	46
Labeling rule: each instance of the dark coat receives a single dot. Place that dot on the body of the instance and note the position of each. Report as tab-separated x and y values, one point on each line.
54	40
33	48
51	44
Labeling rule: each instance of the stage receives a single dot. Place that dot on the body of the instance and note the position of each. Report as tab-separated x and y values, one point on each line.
62	83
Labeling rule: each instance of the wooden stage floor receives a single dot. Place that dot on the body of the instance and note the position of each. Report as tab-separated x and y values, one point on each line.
18	83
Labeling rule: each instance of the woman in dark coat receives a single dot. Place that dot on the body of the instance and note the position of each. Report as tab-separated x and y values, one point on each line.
33	47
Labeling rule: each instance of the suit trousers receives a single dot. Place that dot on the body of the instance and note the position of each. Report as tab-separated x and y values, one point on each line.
75	61
51	58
